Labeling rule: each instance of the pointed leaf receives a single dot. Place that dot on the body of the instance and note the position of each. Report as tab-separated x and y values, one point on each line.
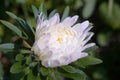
12	27
89	60
88	50
74	73
24	27
35	11
65	13
52	13
11	15
43	10
74	76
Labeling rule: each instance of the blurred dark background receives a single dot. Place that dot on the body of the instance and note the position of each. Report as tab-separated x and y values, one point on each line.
103	14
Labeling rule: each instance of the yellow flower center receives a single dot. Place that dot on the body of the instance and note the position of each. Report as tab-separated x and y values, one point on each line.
59	39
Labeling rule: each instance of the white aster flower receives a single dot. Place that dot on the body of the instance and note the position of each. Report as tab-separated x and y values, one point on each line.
59	43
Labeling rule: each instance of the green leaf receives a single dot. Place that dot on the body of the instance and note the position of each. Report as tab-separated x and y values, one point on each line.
16	67
24	27
74	76
7	47
19	57
73	73
88	50
52	13
35	11
65	13
56	75
28	60
27	70
88	8
89	60
38	77
12	27
24	51
11	15
30	76
43	10
33	64
71	69
44	71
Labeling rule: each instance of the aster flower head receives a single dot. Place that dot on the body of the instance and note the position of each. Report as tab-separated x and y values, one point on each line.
59	43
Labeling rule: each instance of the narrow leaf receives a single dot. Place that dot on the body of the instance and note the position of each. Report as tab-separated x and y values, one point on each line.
65	13
35	11
52	13
11	15
74	71
7	46
26	28
43	10
74	76
89	60
88	50
12	27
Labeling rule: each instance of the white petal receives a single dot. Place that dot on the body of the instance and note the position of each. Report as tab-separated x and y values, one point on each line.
86	34
51	63
84	25
65	60
88	45
88	38
69	21
40	19
81	27
54	20
78	55
83	54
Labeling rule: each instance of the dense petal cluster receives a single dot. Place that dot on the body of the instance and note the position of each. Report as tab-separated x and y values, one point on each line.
59	43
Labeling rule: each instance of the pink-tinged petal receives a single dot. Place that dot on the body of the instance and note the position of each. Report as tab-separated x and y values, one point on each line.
78	55
86	35
51	63
69	21
88	38
40	19
54	20
88	46
81	27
